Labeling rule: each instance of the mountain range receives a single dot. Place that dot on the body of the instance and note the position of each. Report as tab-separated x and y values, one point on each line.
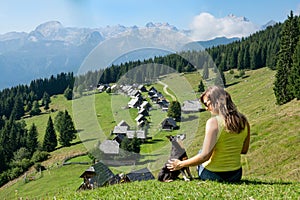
52	48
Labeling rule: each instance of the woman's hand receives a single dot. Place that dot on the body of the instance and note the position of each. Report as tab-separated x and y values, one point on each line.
174	164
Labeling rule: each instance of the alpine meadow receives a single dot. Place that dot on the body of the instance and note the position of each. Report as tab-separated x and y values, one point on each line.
44	154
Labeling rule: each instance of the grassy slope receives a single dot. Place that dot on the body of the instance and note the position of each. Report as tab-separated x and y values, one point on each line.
273	152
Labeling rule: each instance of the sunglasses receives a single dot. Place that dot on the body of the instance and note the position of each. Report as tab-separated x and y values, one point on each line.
205	103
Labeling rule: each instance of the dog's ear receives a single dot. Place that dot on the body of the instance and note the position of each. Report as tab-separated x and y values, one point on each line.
181	136
169	137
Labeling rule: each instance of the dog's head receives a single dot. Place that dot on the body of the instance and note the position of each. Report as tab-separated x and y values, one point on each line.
176	138
178	149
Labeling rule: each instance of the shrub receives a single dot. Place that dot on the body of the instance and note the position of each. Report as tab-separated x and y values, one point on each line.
38	167
3	178
39	156
242	73
15	172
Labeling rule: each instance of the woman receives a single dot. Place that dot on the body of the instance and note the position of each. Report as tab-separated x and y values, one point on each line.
227	136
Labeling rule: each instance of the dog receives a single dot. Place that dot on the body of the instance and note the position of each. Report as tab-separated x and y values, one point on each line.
177	152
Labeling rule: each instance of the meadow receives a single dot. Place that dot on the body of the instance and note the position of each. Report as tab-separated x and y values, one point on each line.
271	168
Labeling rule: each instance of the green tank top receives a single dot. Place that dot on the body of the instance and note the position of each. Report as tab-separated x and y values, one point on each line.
226	155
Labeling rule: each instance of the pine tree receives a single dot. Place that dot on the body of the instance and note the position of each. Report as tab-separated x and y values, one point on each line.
220	78
205	74
46	107
246	58
32	139
58	121
67	130
240	59
136	145
46	100
18	109
50	140
282	89
9	134
174	110
201	87
125	144
294	78
68	93
28	106
35	109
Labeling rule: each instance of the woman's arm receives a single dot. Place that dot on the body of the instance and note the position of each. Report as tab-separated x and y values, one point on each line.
210	140
247	141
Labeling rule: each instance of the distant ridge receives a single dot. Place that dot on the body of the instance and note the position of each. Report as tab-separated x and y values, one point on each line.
217	41
52	48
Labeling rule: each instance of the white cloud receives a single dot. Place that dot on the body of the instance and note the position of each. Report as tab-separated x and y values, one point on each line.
205	27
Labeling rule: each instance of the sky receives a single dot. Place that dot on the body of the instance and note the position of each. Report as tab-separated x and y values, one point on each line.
203	17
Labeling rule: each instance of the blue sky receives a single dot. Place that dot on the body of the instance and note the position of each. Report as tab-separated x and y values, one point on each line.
20	15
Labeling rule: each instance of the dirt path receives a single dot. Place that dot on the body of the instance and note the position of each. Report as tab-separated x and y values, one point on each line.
166	90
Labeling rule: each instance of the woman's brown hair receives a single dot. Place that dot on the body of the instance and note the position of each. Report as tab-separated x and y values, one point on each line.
221	102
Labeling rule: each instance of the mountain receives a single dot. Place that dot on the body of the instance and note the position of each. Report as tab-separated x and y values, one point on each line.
49	49
218	41
236	18
269	23
52	48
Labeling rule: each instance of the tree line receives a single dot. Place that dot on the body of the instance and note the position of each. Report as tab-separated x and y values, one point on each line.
287	78
16	101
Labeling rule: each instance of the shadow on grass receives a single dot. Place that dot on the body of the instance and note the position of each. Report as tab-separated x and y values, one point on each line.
253	182
189	118
78	142
261	182
231	84
153	141
145	162
247	76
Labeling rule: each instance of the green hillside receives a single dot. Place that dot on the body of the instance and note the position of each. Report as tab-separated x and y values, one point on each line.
271	168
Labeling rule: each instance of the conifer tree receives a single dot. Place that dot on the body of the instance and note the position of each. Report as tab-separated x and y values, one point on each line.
32	139
174	110
246	58
125	144
28	106
205	74
201	87
66	129
58	121
46	100
136	145
133	145
18	109
294	79
50	140
220	78
289	38
35	109
68	93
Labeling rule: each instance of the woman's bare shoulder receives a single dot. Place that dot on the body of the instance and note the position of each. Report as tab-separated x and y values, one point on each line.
212	123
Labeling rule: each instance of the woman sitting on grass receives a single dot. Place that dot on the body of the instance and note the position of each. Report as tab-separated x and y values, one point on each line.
227	136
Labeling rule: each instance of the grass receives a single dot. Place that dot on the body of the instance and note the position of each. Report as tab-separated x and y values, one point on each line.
54	181
271	168
248	189
275	134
